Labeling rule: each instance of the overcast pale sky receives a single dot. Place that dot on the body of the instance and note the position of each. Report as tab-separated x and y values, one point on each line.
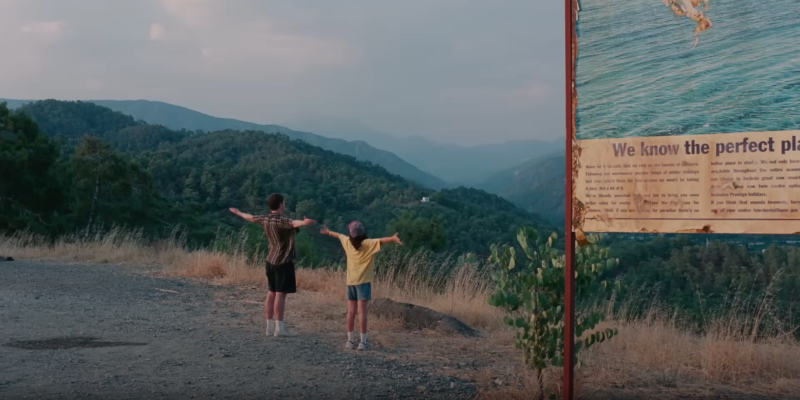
468	71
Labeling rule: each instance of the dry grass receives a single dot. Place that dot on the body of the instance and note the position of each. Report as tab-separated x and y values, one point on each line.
115	246
656	344
652	356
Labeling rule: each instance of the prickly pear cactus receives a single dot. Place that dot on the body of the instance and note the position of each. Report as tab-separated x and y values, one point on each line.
530	288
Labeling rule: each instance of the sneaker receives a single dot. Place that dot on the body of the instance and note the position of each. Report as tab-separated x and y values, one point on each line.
364	346
270	328
351	345
283	331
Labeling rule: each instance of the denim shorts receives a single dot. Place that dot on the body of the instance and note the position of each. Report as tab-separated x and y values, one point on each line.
359	292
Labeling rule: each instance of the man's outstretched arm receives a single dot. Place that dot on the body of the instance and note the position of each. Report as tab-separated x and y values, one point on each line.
304	222
245	216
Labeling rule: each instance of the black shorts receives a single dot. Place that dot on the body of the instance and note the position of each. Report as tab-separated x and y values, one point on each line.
280	278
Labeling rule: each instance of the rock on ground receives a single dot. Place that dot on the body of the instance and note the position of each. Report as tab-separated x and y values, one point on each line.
418	317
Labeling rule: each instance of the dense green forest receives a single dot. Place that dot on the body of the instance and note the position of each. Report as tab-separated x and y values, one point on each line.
109	169
55	187
711	279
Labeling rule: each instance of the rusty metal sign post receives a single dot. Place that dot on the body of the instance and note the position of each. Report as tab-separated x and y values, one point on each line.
569	259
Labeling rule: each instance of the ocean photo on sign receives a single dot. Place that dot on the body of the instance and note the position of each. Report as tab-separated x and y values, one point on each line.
682	67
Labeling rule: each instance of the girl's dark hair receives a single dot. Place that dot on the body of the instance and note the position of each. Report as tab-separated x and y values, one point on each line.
356	241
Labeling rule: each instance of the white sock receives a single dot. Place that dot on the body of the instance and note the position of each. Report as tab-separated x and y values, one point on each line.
363	338
350	336
280	326
270	325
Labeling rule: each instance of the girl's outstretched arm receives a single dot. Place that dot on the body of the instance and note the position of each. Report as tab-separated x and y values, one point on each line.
328	232
393	239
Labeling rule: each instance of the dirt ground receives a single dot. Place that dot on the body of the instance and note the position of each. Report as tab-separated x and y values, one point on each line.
72	331
97	331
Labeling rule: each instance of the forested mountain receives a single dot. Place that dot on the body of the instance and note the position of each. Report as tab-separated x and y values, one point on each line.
463	165
536	185
72	120
178	118
432	164
198	176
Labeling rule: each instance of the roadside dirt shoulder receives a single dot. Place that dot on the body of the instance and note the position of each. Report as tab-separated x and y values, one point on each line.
97	331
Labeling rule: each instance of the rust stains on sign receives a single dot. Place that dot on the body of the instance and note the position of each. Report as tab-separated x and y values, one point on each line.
581	238
704	229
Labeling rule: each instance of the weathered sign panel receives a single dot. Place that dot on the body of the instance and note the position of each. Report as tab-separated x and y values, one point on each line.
733	183
687	116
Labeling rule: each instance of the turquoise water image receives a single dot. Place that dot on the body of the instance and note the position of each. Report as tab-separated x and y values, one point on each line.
638	73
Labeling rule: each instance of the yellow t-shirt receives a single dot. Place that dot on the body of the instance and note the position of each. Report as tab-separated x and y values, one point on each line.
361	262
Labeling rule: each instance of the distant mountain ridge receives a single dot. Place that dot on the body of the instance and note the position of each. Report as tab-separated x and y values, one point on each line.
460	165
178	117
535	186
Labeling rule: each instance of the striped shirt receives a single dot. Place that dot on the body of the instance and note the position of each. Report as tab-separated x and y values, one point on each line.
280	233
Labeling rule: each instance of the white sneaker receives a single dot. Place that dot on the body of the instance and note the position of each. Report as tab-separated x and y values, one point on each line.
351	345
270	327
364	346
283	330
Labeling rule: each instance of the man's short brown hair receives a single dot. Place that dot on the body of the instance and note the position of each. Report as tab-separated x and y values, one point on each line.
274	201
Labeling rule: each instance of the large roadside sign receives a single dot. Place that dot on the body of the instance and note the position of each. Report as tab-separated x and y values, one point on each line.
687	117
683	116
726	183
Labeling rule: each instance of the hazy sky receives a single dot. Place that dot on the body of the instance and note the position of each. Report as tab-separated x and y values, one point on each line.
454	70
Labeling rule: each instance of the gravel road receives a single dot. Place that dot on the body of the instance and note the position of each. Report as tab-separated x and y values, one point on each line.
73	331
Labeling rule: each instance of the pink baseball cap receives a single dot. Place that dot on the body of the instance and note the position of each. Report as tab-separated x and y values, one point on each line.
356	229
